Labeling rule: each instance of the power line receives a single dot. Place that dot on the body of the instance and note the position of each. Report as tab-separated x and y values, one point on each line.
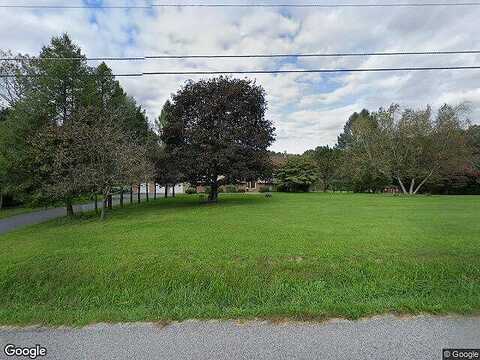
120	58
395	53
312	70
239	5
259	72
154	57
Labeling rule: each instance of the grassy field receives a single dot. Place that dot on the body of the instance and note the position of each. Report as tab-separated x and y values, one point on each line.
299	256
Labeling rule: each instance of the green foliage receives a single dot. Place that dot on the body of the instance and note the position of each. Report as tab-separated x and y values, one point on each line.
345	139
191	190
297	174
39	150
264	189
328	162
217	127
293	256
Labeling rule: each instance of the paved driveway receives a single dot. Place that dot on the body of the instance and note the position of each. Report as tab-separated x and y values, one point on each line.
388	338
18	221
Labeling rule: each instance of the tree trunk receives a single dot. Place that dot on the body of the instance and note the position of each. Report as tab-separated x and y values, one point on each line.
154	190
401	185
139	194
104	207
131	194
422	183
173	190
146	191
69	206
166	190
96	203
110	202
213	196
1	200
121	198
412	184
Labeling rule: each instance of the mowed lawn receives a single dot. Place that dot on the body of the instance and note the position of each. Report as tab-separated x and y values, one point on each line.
297	256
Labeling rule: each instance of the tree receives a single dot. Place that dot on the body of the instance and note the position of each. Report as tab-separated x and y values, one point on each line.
62	97
473	138
168	169
59	156
345	139
216	130
297	174
13	88
327	160
3	161
117	158
51	97
412	146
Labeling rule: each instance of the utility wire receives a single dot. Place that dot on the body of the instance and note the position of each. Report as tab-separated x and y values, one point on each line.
313	55
257	72
154	57
240	5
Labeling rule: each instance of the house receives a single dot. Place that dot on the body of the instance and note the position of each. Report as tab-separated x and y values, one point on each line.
244	186
159	189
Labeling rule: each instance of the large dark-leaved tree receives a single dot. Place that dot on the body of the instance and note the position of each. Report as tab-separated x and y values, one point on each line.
217	131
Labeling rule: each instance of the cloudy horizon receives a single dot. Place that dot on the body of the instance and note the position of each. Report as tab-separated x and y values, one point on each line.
307	109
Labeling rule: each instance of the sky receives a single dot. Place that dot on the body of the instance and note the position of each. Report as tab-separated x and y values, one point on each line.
307	110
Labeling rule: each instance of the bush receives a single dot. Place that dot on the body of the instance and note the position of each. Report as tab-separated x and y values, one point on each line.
231	189
241	190
264	189
207	190
191	191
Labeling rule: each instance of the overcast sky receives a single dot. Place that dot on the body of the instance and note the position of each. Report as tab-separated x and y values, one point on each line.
307	109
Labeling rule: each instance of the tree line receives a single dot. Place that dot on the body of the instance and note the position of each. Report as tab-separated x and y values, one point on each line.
405	150
68	129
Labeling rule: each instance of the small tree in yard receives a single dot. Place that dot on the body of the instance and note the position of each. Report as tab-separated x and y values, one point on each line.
168	164
297	174
327	160
116	159
59	157
217	129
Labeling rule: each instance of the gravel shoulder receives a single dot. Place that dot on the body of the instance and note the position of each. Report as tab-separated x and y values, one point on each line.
383	337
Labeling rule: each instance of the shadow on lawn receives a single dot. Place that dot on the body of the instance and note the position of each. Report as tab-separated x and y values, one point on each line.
177	203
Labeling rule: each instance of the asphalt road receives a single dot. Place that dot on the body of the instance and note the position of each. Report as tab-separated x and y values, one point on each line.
37	217
386	337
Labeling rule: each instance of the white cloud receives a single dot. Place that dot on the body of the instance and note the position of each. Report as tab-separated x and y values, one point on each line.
307	109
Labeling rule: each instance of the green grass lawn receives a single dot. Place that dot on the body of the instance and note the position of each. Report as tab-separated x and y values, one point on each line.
299	256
